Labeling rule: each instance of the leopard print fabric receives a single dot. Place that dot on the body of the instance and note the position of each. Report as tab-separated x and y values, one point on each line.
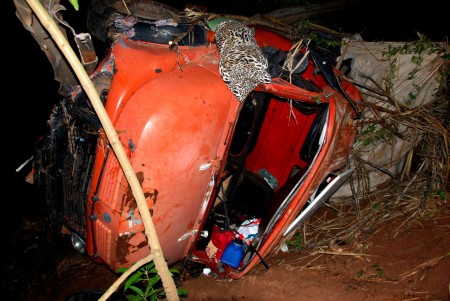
242	64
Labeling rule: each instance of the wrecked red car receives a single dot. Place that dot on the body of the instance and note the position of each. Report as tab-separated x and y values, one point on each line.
236	133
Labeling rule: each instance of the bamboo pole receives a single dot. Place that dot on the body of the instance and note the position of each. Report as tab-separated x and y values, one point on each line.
156	253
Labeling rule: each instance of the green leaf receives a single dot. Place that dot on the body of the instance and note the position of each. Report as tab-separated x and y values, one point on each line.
122	270
150	267
75	4
152	281
134	298
137	290
147	290
153	271
182	292
136	277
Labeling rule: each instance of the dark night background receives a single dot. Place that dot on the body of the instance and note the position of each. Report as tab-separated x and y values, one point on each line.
30	91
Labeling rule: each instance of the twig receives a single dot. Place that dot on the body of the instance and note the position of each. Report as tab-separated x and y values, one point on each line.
126	7
425	265
24	164
412	180
377	167
309	262
343	253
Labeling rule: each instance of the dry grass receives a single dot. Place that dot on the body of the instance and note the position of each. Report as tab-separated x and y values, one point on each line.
419	191
296	31
346	225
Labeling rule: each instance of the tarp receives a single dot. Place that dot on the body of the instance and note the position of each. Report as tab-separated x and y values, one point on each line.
411	77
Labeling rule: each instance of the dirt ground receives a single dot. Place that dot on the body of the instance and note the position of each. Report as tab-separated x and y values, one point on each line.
415	265
400	260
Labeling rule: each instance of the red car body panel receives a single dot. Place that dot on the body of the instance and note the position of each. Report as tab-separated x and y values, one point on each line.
175	117
175	158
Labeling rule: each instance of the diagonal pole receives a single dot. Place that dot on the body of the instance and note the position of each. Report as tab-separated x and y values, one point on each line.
156	253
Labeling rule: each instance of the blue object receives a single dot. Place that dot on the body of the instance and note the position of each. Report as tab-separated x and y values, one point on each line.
233	253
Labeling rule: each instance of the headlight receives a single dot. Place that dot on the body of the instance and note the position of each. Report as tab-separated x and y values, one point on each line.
78	243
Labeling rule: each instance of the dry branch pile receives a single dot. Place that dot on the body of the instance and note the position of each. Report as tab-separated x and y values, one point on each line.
401	154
